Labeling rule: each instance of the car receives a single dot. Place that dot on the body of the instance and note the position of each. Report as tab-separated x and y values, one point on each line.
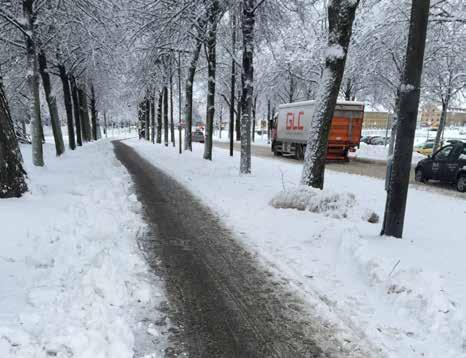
377	141
425	148
198	136
448	165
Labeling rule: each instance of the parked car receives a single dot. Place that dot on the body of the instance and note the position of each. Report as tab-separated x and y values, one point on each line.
198	136
367	139
447	165
425	148
377	141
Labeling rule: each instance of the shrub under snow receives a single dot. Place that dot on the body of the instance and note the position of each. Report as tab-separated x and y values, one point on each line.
333	204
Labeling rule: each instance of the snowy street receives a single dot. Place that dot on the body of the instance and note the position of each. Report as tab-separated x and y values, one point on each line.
359	166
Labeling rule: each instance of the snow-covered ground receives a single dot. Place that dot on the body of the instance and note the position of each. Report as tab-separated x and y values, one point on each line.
407	297
73	282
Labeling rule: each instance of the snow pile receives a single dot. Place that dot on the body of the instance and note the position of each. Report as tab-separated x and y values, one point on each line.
336	205
73	283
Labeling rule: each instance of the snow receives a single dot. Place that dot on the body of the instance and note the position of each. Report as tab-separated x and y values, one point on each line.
406	297
73	281
379	153
335	52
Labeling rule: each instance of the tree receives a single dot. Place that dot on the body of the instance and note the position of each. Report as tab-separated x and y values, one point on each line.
211	49
165	115
159	118
68	106
232	81
76	109
340	21
52	104
33	77
247	78
12	174
409	94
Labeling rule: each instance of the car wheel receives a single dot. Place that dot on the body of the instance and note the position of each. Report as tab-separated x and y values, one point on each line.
461	183
420	177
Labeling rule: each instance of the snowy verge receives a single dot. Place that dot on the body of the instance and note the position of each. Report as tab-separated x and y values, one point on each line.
73	282
406	297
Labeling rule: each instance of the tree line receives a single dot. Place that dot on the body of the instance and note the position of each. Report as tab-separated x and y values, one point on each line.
247	55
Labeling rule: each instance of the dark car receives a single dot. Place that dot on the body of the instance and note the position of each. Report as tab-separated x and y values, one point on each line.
448	164
198	136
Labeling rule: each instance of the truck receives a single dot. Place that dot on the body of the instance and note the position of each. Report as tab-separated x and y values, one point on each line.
292	123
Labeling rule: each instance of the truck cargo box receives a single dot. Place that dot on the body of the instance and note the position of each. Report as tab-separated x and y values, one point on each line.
293	124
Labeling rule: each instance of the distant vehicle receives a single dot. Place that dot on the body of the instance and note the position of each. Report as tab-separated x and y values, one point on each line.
447	165
425	148
377	141
293	122
198	136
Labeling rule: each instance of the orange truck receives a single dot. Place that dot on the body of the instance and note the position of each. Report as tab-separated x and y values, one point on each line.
292	125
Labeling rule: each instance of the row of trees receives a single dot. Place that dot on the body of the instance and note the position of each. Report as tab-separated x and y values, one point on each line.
144	55
49	48
384	66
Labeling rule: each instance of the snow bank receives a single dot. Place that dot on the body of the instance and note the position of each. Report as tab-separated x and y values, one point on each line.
73	283
405	297
379	153
333	204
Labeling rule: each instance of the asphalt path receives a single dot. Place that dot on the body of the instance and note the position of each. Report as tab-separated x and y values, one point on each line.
222	302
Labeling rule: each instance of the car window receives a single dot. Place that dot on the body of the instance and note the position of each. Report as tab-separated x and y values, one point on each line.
428	145
443	153
463	154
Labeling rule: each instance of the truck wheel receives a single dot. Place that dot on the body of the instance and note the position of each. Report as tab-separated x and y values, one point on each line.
299	152
420	177
461	183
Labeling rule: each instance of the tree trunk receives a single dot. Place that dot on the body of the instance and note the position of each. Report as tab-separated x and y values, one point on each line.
238	117
340	17
94	114
232	82
12	174
105	124
84	111
172	123
77	112
165	115
443	121
52	104
68	106
37	134
159	118
269	122
189	96
179	103
247	78
407	118
211	46
152	119
147	117
254	104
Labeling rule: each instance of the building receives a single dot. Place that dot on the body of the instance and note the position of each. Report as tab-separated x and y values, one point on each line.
375	120
430	116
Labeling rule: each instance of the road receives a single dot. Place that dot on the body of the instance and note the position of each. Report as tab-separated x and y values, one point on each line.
359	167
224	304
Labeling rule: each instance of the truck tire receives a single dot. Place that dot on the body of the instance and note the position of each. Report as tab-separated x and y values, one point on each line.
461	183
299	152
